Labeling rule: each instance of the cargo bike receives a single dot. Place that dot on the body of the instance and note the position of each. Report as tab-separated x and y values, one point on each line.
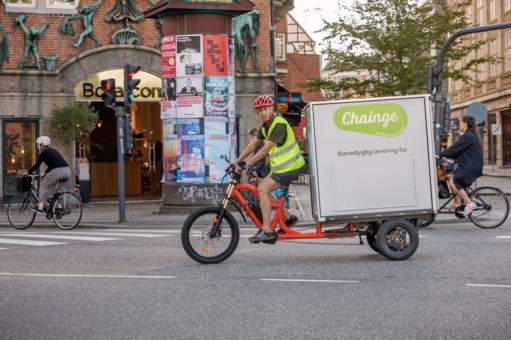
377	180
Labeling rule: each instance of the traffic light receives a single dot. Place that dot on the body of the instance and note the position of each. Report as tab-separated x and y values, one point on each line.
128	134
129	83
108	95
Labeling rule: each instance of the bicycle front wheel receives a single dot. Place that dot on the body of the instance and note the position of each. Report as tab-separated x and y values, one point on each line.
67	211
201	245
19	211
492	207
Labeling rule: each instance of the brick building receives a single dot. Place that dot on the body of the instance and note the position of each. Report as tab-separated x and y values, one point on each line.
66	72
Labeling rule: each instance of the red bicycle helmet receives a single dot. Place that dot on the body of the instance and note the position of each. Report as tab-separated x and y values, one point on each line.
262	101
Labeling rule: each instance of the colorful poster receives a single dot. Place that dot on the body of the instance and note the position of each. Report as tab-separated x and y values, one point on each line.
189	97
189	126
232	133
216	55
169	127
189	55
232	62
232	97
216	96
215	125
168	56
170	164
193	168
217	150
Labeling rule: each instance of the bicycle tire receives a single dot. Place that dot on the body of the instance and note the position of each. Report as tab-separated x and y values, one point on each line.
397	239
19	211
66	211
497	201
198	245
425	222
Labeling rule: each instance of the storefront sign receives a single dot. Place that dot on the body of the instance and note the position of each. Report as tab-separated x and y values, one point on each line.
289	97
149	89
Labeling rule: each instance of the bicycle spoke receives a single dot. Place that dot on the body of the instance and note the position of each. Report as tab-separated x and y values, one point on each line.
67	211
19	211
492	207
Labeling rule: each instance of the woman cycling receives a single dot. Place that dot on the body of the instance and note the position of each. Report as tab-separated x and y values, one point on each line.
57	168
468	149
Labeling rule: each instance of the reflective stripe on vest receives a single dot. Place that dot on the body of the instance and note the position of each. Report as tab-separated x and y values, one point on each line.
287	157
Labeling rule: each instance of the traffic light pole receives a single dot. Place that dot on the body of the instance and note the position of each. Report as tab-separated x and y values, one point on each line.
119	116
435	80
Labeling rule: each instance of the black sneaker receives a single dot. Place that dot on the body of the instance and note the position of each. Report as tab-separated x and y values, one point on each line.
262	236
39	211
290	222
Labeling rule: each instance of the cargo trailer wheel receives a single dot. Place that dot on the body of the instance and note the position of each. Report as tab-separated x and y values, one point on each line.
371	239
397	239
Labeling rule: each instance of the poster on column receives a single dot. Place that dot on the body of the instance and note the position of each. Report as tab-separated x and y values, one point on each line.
189	126
216	55
232	97
232	133
168	56
216	125
193	168
232	62
216	96
217	151
189	97
168	98
189	55
170	159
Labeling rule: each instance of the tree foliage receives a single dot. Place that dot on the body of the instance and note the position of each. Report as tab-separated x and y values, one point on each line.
75	120
392	41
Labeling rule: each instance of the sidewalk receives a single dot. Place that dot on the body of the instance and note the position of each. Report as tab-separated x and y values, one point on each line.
145	213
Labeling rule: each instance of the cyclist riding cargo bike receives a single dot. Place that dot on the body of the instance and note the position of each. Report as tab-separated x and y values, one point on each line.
372	173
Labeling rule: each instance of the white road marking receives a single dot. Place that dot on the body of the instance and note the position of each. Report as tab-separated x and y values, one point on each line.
29	243
93	276
503	237
3	248
487	285
300	280
141	231
62	237
111	234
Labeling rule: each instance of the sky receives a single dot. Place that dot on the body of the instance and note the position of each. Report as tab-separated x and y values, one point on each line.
309	14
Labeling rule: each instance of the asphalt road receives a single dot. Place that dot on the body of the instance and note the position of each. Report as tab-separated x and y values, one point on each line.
133	284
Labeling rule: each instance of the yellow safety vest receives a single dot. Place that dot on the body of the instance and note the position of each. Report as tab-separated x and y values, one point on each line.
285	158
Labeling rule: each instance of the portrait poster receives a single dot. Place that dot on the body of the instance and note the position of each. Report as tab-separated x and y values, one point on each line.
169	127
216	55
232	63
190	97
217	151
216	125
189	126
168	56
216	96
170	161
193	168
189	55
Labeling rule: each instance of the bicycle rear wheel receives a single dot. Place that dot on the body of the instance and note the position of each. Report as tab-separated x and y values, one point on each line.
206	248
67	211
492	207
19	211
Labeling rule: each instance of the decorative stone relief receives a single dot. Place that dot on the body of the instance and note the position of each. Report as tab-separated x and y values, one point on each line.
87	14
31	37
245	29
124	11
158	23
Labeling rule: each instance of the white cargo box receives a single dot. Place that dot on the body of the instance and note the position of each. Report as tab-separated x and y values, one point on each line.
372	159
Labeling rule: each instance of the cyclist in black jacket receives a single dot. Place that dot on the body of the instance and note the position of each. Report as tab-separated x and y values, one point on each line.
57	168
468	149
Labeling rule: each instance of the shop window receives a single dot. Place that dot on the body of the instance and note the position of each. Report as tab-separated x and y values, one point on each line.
19	152
281	47
42	6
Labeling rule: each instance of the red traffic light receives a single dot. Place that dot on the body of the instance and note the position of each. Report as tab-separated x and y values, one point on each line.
130	70
108	96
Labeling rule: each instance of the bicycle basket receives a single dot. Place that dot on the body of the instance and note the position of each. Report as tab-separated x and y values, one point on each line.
23	184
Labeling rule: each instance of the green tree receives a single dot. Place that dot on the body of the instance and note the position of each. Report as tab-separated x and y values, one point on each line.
73	121
392	41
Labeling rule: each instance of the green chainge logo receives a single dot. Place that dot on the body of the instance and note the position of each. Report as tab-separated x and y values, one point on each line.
386	120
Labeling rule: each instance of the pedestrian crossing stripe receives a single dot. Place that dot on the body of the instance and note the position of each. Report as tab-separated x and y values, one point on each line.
61	237
28	242
503	237
109	233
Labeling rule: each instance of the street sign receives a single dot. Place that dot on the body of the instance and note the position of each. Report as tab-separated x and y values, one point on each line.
496	129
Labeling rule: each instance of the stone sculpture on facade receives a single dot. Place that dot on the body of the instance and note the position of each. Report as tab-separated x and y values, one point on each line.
4	47
87	14
124	11
158	23
31	37
245	29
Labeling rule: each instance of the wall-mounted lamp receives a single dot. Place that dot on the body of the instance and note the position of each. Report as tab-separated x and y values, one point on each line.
99	123
12	160
22	149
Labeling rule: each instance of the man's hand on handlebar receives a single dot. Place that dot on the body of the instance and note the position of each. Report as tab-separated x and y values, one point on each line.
240	166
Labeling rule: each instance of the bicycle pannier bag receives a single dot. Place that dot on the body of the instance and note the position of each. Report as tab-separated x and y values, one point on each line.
22	184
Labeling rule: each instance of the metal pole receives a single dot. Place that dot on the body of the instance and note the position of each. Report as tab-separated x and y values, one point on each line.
491	150
119	115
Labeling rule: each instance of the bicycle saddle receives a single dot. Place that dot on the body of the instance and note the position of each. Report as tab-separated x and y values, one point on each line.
63	180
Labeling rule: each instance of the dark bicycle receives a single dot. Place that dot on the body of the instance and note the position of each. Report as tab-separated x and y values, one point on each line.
492	208
64	207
